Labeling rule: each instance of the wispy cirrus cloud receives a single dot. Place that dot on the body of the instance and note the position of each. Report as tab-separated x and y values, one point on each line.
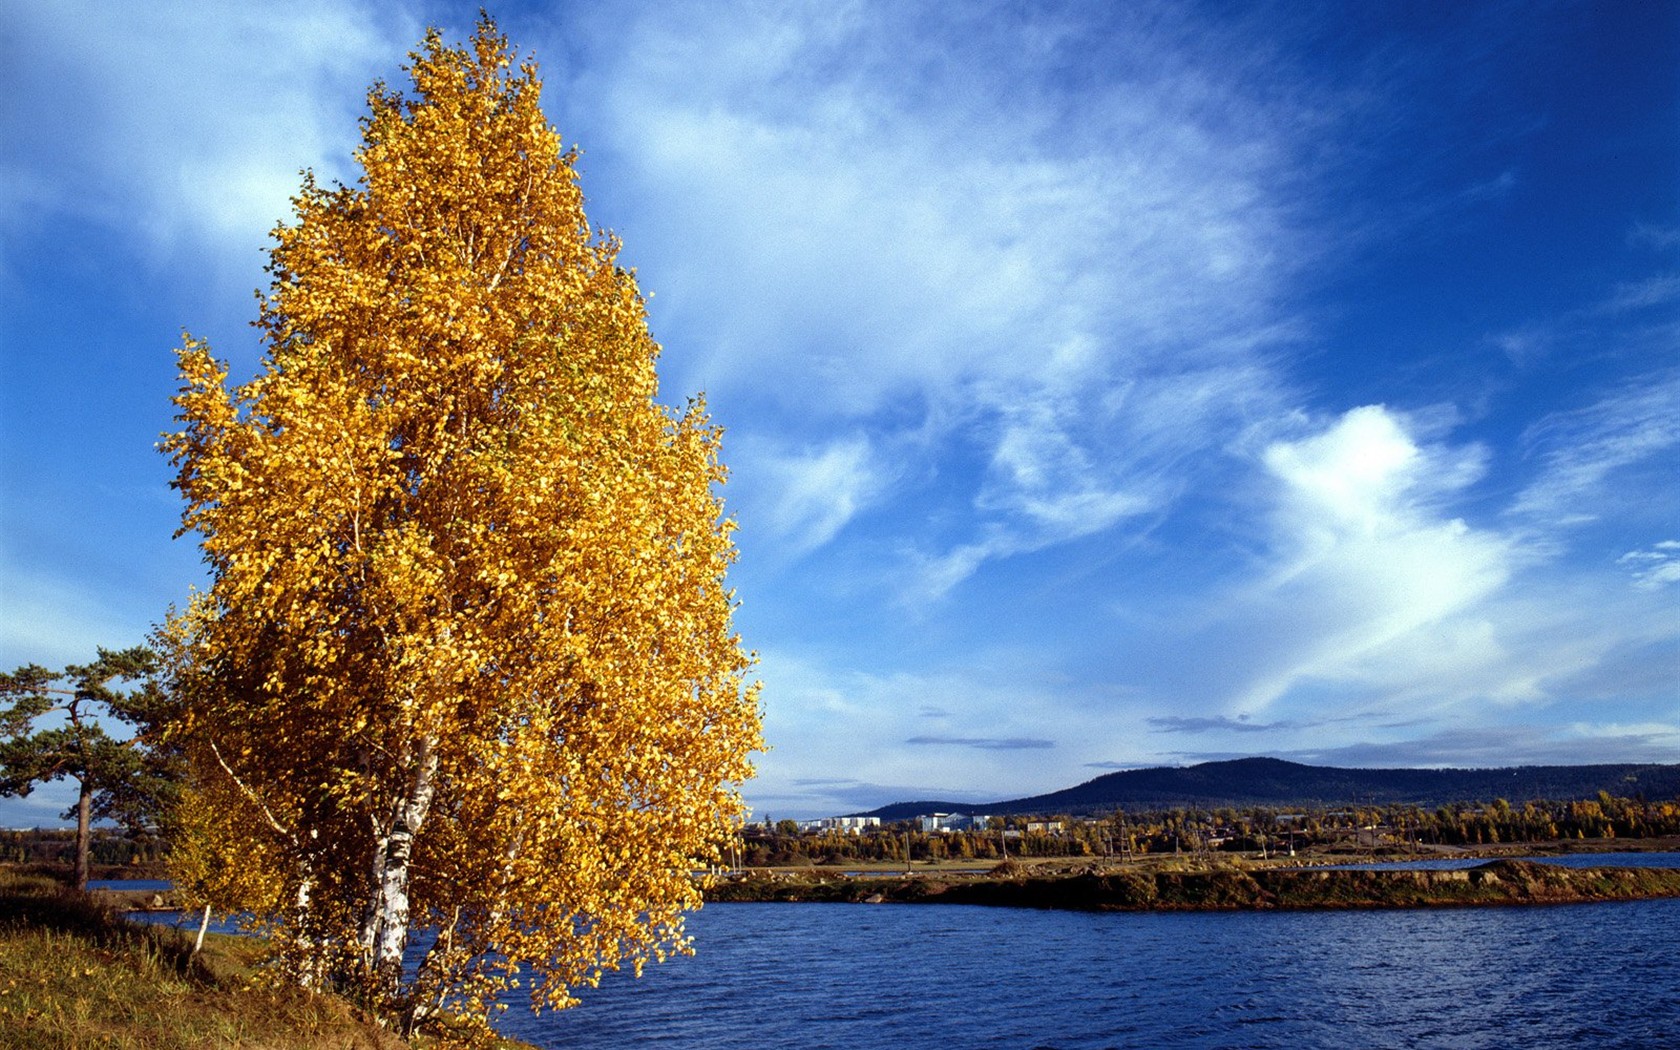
1644	293
1075	299
1492	747
1655	567
1654	235
804	497
1581	451
202	149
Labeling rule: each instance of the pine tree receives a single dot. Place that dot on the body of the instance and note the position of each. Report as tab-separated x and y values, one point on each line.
57	725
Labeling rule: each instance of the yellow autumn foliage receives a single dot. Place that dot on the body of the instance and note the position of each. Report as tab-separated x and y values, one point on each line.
466	661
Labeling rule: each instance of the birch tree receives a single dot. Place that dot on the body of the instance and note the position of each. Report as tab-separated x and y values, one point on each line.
466	661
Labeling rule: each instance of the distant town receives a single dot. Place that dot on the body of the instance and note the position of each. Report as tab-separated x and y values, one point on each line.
1254	830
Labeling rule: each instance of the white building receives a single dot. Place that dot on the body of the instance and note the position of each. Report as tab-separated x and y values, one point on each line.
850	825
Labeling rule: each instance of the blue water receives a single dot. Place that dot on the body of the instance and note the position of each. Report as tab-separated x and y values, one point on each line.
890	977
901	977
130	884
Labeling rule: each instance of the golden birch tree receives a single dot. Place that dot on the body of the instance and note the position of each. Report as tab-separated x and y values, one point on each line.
466	661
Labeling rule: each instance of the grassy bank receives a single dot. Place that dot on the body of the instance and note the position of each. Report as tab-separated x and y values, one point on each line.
1225	887
74	974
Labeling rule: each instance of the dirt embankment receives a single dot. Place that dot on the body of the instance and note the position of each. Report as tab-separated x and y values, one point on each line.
1497	882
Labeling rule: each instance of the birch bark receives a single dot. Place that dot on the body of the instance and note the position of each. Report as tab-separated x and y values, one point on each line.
389	935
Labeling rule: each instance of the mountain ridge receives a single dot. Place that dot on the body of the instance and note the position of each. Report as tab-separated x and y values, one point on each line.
1276	782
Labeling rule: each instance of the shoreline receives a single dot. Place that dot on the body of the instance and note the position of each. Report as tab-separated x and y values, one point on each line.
1311	880
1495	882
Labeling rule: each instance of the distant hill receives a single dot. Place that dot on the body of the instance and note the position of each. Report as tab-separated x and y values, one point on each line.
1274	782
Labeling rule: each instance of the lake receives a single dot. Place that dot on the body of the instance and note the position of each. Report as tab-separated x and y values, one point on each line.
891	977
888	977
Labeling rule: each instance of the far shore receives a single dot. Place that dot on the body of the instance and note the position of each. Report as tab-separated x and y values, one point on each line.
1204	882
761	883
1318	855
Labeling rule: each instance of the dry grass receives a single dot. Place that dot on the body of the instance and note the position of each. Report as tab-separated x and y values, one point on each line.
75	975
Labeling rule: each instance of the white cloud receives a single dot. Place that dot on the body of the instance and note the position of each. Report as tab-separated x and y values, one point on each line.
1580	452
850	230
1046	471
1650	291
804	498
1353	476
1656	567
1368	582
186	123
1371	592
934	575
1661	238
1525	347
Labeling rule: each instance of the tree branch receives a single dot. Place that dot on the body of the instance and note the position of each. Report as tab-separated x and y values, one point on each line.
252	795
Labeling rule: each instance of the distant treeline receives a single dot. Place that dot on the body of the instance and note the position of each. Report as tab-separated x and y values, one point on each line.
1182	830
57	846
1253	830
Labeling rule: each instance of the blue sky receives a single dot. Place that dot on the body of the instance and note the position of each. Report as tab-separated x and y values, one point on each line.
1105	385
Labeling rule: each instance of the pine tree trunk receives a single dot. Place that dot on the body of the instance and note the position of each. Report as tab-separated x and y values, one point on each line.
84	833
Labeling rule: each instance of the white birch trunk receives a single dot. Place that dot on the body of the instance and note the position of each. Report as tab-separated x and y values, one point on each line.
204	924
308	965
370	914
390	934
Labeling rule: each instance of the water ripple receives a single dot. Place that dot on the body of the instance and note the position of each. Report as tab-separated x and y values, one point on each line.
857	977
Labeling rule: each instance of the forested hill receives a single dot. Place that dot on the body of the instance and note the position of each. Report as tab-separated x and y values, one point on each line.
1273	782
